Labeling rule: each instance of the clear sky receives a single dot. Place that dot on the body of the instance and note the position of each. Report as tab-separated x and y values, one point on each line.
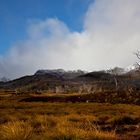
69	34
15	15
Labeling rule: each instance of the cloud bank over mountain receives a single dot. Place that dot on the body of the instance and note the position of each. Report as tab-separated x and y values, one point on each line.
110	35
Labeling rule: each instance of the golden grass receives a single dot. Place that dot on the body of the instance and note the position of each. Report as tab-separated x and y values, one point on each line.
83	130
54	128
62	121
17	130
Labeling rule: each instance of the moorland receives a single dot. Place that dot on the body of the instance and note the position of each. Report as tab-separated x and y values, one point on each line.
71	106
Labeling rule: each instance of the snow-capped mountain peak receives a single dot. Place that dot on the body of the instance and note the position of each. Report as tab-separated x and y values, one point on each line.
132	67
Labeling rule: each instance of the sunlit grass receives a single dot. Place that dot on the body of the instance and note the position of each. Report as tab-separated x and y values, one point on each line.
64	121
49	128
16	130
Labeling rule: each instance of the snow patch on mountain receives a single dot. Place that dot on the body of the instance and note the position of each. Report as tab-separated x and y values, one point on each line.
132	67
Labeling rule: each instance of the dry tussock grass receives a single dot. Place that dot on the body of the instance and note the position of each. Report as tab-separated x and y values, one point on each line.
16	130
58	121
54	128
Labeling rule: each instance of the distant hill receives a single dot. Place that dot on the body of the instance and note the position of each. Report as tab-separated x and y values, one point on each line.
4	79
97	86
60	81
61	73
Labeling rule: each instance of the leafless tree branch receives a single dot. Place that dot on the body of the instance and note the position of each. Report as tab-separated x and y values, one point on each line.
137	54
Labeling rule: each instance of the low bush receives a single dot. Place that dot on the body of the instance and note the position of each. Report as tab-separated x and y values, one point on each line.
125	120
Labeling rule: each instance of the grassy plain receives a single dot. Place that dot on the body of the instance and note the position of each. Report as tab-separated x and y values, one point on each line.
41	120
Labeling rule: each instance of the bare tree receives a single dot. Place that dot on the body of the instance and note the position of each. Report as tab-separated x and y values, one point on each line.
138	56
114	73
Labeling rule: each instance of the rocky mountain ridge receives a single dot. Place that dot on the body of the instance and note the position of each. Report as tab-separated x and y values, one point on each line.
60	81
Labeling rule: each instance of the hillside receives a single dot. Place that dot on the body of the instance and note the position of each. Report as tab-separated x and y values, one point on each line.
47	79
60	81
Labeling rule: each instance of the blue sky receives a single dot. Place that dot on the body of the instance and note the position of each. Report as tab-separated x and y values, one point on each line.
69	34
15	16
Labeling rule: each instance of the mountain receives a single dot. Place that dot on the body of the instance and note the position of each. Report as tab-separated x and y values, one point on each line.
61	81
61	73
97	86
133	71
4	79
116	71
54	80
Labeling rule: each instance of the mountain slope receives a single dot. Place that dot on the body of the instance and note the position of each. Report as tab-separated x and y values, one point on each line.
72	81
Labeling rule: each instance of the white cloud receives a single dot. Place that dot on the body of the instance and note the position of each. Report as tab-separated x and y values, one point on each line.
110	35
